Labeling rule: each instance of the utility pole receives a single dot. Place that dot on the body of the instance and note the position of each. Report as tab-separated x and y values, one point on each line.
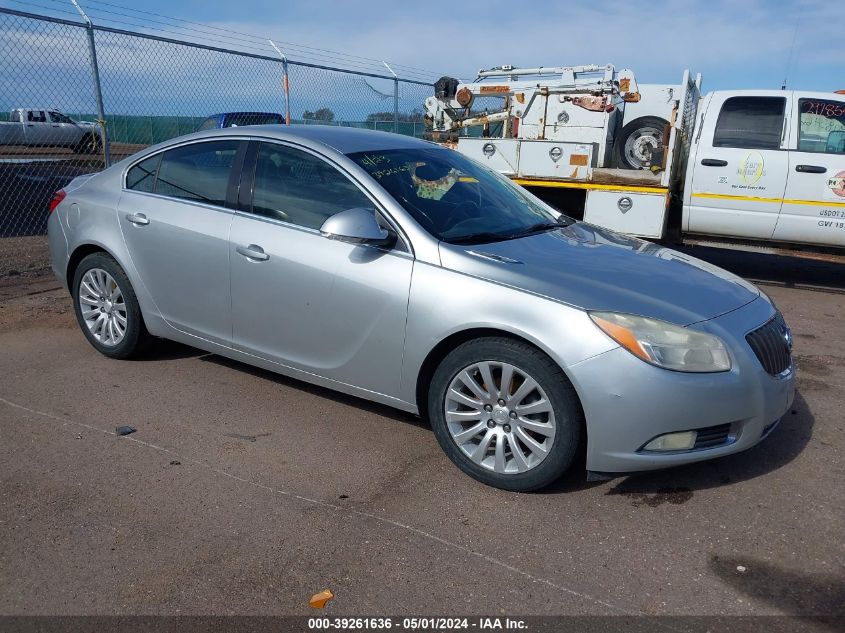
395	97
285	83
95	77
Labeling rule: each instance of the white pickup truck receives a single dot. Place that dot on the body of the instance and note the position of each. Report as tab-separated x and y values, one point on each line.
35	127
756	170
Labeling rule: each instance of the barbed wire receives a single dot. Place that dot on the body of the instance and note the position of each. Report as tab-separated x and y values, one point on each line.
249	42
291	45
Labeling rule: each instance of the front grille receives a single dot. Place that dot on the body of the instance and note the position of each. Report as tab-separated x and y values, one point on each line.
712	436
771	345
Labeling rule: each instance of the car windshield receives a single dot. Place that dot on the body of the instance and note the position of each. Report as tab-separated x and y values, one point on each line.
456	199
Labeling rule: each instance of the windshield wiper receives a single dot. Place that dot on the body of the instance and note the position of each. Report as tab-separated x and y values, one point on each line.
540	227
486	236
479	238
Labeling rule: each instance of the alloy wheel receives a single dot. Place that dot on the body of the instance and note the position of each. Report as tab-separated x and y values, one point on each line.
102	306
500	417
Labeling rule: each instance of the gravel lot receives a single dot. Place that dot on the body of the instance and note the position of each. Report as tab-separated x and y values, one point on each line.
243	492
24	256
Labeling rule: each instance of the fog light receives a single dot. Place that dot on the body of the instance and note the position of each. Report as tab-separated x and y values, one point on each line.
672	442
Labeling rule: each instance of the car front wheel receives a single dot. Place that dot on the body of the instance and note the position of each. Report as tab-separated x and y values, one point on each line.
107	309
505	413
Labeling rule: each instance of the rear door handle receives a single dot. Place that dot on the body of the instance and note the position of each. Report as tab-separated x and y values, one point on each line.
811	169
137	218
253	252
714	162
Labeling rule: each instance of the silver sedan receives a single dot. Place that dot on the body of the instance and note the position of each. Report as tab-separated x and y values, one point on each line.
402	272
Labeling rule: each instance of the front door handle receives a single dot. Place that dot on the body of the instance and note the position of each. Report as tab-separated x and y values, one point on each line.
253	252
714	162
137	218
811	169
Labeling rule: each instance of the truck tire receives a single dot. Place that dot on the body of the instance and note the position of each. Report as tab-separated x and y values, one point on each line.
630	148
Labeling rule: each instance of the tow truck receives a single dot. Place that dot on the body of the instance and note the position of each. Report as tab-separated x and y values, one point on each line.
760	170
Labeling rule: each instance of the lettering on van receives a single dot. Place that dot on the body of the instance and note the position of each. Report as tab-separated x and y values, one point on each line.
836	184
829	109
750	171
832	224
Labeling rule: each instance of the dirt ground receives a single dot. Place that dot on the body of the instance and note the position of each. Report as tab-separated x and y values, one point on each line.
28	256
243	492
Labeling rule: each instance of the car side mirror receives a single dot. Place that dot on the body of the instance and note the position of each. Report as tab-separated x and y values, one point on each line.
357	226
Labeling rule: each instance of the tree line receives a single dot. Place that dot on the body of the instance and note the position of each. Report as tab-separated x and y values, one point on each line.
327	115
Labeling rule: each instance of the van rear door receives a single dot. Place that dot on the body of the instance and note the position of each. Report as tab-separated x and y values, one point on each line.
740	166
814	203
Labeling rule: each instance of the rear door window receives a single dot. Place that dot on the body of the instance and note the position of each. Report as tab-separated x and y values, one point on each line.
198	172
750	122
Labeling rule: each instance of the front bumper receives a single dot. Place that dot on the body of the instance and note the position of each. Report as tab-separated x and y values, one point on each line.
628	402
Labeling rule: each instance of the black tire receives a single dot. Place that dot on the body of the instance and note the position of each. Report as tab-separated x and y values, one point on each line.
136	338
644	126
569	416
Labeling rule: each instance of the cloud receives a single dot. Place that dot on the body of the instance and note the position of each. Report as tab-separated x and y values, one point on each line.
734	43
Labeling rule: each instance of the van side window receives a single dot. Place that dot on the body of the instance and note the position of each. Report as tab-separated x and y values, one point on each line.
750	123
15	117
296	187
58	117
822	126
199	171
142	176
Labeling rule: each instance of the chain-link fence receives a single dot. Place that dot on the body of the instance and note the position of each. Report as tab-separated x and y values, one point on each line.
78	96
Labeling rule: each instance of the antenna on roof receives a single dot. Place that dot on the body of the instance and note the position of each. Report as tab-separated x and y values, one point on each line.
791	51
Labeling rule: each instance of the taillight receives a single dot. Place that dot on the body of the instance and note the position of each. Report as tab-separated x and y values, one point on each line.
57	198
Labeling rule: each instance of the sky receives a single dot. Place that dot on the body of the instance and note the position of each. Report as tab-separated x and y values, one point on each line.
732	43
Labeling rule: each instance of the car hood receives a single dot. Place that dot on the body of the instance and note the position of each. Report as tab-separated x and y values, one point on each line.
596	269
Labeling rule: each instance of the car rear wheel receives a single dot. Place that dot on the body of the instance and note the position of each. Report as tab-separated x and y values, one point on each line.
505	414
107	309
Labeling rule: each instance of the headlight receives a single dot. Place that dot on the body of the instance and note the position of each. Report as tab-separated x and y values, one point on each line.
663	344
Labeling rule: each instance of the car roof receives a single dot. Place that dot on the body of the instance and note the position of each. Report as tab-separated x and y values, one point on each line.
346	140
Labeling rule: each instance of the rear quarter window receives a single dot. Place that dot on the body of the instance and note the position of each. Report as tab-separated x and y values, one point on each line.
142	176
199	171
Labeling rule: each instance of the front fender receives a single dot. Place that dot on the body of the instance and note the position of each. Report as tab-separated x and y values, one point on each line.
444	302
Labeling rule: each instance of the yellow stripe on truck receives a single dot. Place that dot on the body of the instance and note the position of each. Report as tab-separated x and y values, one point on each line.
814	203
586	185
